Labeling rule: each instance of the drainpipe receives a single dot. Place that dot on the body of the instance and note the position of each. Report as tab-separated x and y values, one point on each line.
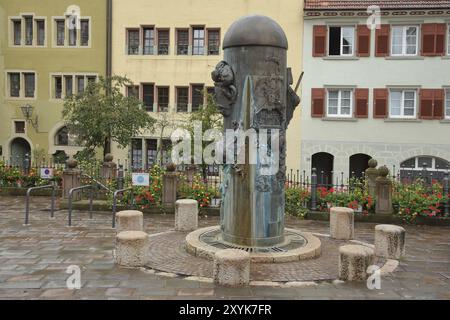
109	8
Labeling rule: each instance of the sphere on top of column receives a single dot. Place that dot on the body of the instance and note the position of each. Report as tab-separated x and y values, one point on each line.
255	30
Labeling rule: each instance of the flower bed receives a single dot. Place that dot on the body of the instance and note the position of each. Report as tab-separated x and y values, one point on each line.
13	177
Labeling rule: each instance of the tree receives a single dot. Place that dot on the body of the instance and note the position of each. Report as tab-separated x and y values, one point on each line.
102	114
210	118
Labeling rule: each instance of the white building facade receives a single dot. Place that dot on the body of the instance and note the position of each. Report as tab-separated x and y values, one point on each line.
381	93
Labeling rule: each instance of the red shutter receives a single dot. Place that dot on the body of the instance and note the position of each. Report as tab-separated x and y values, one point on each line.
429	39
441	30
363	35
438	109
426	104
317	102
382	40
380	103
362	103
319	41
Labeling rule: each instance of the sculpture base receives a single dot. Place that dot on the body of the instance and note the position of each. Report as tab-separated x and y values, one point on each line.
296	246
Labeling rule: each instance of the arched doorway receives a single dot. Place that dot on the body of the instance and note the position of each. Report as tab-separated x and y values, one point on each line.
323	162
19	149
358	164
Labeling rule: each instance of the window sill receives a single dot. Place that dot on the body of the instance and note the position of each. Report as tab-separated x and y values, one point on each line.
339	119
401	120
340	58
445	121
405	58
446	57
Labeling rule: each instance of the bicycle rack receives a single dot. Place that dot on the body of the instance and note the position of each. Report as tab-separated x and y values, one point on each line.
91	199
114	209
27	208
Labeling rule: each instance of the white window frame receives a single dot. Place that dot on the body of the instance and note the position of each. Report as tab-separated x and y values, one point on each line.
22	85
21	17
66	33
448	39
402	105
404	44
339	106
63	83
447	104
341	44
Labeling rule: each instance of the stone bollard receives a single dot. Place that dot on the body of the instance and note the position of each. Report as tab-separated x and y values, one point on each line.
186	215
132	248
389	241
341	223
231	267
129	220
354	261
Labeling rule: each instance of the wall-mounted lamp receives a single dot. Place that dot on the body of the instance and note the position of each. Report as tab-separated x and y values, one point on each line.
27	111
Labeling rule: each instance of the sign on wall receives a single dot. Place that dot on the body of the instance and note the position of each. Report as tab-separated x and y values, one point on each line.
46	173
140	179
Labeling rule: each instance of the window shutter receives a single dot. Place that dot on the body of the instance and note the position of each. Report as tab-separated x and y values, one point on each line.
363	35
319	41
318	102
441	30
429	39
426	104
438	108
362	103
382	40
380	103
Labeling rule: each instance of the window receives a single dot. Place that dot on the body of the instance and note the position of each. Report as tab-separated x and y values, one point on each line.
28	30
19	126
21	84
69	85
404	40
163	99
136	153
40	29
198	41
447	103
149	40
29	85
60	32
17	30
448	40
62	137
341	41
148	96
339	103
80	84
182	42
58	87
182	99
133	91
402	104
84	32
133	42
152	151
14	85
213	42
197	97
163	42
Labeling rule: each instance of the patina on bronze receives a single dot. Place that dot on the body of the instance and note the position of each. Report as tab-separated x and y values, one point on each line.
252	90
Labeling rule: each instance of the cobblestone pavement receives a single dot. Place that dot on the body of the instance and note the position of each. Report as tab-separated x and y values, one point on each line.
34	259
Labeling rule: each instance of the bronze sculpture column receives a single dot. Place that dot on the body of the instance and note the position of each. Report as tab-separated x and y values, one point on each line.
252	89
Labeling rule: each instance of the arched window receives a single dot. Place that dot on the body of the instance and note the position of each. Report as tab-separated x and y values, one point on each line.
323	162
426	167
359	162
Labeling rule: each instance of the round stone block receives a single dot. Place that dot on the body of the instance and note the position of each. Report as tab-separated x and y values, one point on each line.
129	220
186	215
341	223
231	267
132	248
354	261
389	241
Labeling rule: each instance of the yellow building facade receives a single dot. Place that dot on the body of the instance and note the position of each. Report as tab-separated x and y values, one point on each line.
49	49
169	48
